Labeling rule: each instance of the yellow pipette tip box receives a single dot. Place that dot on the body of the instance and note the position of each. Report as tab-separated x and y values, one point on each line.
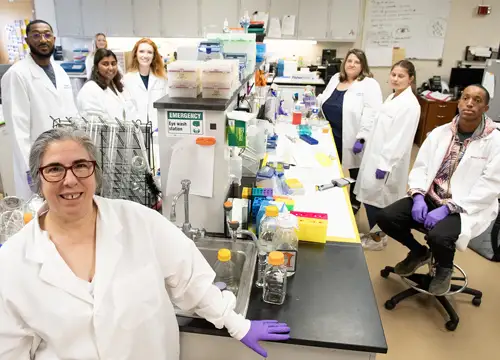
312	226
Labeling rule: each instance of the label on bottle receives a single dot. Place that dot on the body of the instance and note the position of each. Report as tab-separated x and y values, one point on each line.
290	259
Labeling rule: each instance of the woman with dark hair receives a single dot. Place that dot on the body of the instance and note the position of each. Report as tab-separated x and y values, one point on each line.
383	175
103	94
349	103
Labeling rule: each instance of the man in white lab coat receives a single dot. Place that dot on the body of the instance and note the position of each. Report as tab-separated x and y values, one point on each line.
454	188
34	90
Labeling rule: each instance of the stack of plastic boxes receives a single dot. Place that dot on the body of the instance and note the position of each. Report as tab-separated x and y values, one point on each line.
219	78
240	44
184	79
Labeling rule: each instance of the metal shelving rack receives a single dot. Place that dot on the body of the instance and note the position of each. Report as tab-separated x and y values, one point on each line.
125	149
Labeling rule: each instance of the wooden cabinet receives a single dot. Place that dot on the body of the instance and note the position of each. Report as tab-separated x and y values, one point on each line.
432	115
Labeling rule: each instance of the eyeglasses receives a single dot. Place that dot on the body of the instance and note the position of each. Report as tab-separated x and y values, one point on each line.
38	36
57	172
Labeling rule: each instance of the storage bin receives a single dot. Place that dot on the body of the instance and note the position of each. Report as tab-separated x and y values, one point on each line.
184	73
217	72
217	92
184	92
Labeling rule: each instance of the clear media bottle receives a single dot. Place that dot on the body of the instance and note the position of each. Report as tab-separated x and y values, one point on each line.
267	229
286	241
226	274
275	279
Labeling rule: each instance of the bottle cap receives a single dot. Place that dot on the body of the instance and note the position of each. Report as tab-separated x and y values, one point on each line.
276	258
272	211
224	255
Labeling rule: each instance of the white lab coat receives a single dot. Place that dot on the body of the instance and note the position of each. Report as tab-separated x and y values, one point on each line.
94	101
89	64
144	98
29	100
361	102
389	149
144	265
475	184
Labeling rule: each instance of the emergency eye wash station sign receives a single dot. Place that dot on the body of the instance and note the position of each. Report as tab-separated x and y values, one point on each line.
181	123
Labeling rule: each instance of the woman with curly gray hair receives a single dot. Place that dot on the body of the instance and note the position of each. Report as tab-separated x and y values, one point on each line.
95	278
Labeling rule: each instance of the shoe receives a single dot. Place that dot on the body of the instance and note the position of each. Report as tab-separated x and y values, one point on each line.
441	283
412	262
369	243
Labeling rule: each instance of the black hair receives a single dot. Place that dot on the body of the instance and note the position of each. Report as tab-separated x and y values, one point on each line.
98	78
486	92
34	22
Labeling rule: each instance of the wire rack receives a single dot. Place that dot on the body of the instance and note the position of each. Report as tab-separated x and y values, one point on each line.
125	149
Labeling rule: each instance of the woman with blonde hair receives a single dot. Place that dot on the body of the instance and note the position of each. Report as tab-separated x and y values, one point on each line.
146	82
99	42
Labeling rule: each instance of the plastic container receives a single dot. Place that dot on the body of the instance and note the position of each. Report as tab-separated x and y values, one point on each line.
216	92
184	73
309	97
226	274
312	226
184	92
297	118
268	227
286	241
275	279
218	72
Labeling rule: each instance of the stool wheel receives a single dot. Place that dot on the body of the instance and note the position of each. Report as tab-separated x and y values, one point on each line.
390	305
451	326
476	301
384	273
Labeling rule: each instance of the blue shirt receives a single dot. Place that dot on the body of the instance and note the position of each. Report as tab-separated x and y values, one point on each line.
332	108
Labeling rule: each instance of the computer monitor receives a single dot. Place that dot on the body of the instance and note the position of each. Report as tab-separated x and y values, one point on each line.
463	77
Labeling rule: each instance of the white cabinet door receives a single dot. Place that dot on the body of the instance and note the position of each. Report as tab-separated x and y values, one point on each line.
119	17
147	18
254	5
213	13
179	19
313	19
93	17
69	18
344	20
281	8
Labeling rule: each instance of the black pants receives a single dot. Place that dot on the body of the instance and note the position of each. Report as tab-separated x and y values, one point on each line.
396	221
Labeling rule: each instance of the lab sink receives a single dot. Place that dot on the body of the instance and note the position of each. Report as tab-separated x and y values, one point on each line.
244	256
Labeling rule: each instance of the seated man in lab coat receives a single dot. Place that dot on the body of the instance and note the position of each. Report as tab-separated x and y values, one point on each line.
453	190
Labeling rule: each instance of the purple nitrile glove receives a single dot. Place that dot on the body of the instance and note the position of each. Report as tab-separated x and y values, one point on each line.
358	147
419	209
265	330
380	174
436	216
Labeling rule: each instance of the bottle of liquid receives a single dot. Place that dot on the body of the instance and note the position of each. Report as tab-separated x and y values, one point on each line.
309	97
267	228
226	274
275	279
286	241
225	28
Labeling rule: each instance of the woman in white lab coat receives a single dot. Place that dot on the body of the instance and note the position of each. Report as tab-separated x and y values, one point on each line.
99	42
383	175
146	83
95	278
349	103
103	95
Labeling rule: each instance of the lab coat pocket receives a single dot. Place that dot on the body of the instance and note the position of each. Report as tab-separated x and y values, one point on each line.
137	297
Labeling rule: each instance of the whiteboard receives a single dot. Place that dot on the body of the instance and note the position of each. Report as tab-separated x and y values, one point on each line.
418	26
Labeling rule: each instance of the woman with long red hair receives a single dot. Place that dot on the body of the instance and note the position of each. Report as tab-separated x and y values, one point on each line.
146	81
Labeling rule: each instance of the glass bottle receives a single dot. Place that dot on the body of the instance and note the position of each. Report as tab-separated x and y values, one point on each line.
275	279
226	274
286	241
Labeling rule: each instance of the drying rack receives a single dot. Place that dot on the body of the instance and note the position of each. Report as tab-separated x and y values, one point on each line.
125	152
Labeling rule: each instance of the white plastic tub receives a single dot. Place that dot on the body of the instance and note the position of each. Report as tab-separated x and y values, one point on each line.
214	91
184	73
184	92
218	72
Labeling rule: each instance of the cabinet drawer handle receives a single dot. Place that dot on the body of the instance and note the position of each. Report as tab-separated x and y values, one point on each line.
440	116
443	106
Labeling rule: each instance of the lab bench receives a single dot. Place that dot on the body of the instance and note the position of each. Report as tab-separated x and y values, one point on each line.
330	308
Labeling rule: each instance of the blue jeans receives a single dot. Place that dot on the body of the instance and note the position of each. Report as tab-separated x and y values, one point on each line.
372	214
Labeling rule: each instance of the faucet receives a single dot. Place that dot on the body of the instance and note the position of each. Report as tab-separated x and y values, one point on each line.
186	227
